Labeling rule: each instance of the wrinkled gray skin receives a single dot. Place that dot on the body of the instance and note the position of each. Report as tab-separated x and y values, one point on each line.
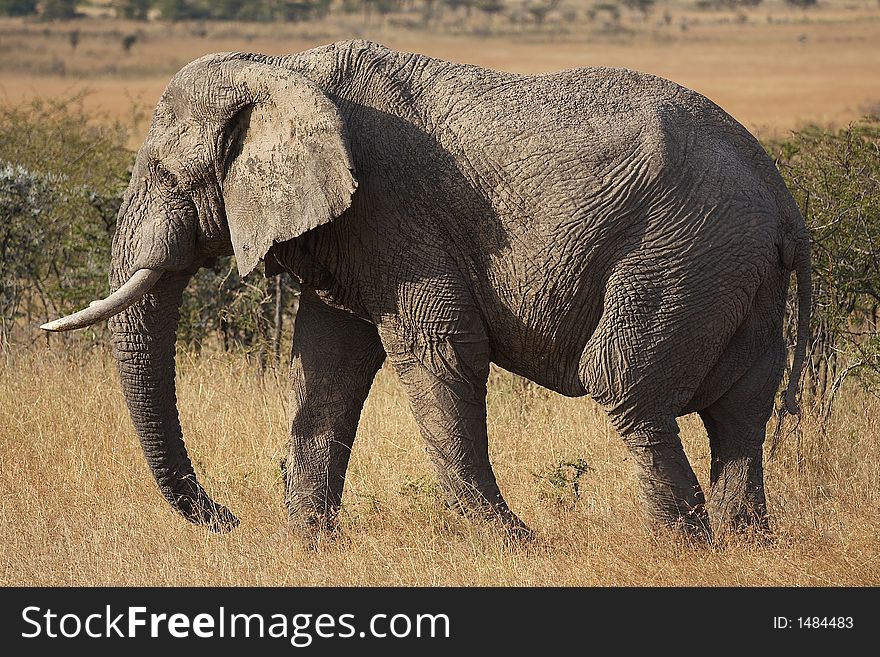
601	232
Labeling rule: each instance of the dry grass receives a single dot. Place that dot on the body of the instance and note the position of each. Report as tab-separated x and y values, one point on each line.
774	72
78	506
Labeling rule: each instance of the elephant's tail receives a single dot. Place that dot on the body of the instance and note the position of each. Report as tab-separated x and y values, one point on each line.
800	264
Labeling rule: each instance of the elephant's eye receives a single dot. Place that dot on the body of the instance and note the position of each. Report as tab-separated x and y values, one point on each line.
165	176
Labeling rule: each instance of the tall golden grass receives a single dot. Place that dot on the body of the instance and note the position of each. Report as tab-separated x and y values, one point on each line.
79	507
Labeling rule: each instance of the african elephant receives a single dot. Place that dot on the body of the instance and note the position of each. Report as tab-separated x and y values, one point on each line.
599	231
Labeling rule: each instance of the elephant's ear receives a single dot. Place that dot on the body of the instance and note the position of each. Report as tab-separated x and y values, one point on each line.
287	167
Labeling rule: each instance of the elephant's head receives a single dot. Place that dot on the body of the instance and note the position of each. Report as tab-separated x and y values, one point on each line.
240	154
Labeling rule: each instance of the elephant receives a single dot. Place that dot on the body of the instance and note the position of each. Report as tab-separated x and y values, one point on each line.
601	232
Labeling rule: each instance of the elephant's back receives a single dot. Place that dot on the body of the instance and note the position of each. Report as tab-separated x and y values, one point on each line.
606	101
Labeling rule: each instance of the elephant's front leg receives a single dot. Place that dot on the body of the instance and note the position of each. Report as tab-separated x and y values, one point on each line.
445	377
335	358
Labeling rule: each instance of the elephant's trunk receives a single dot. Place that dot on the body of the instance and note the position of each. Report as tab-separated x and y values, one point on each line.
144	345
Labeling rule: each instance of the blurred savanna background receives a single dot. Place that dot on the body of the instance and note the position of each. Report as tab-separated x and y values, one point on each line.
78	81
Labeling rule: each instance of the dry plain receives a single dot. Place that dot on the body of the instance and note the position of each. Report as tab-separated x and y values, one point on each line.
79	506
773	69
77	503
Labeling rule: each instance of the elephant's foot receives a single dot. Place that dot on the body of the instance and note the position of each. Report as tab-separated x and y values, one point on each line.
309	539
736	500
670	493
312	514
490	511
314	531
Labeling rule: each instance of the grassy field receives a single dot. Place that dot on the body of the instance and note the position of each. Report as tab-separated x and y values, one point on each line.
79	507
773	69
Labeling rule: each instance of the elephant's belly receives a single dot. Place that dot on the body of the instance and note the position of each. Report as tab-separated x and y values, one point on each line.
546	352
548	375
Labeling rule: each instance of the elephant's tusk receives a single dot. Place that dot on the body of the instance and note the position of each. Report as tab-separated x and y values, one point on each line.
130	292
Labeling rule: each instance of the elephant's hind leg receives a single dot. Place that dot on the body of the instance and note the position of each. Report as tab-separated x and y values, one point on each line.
668	487
335	358
652	347
736	424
